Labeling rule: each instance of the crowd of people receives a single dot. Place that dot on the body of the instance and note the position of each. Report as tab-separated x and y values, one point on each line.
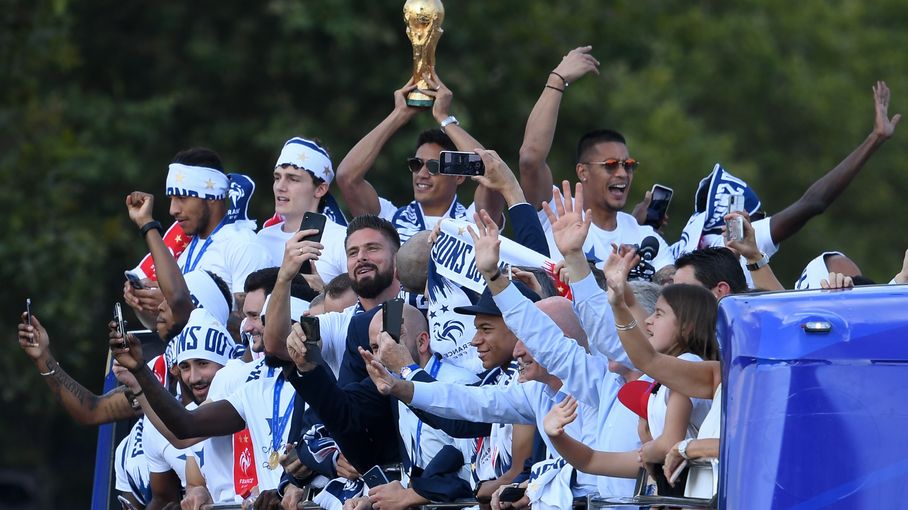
564	361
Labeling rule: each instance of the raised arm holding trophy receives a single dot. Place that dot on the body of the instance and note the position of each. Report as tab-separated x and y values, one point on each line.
423	19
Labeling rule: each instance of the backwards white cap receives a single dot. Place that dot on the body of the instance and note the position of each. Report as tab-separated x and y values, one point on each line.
196	181
204	338
307	155
206	294
815	271
297	307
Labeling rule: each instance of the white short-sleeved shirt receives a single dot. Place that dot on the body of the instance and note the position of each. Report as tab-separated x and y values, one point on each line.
598	244
232	255
254	402
163	456
333	327
333	260
130	467
218	467
657	409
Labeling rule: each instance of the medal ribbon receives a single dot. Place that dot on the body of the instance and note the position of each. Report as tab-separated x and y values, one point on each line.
190	264
278	423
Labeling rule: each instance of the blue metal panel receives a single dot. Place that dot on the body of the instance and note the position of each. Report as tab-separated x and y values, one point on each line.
815	420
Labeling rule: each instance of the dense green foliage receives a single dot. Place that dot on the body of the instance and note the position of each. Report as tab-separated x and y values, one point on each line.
96	96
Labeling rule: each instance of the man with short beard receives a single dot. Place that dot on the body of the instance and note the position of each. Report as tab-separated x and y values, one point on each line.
371	246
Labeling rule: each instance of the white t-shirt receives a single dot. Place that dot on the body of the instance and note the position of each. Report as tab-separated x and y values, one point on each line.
130	467
598	244
333	260
333	328
163	456
218	467
657	408
254	402
232	254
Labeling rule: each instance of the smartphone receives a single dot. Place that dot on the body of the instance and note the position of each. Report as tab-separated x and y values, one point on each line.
313	220
511	494
393	317
460	163
121	324
126	504
658	206
375	477
313	334
134	280
28	311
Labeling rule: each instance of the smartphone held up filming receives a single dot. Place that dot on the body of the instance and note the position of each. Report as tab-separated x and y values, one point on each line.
312	221
393	317
661	196
460	163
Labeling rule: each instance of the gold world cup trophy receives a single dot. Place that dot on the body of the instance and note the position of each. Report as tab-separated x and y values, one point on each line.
423	19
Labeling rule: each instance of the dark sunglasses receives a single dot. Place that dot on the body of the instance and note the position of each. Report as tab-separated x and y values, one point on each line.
416	164
612	164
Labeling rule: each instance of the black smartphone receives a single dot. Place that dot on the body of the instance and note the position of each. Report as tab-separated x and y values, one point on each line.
313	334
460	163
511	494
133	279
313	220
393	317
658	206
121	324
375	477
28	311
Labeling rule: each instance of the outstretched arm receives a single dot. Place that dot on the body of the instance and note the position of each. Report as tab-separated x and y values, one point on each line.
84	406
535	174
824	191
579	455
359	195
695	379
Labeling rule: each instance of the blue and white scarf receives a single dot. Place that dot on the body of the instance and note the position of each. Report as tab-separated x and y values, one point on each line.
409	219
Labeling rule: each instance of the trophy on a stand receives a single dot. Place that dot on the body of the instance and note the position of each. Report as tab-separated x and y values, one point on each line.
423	19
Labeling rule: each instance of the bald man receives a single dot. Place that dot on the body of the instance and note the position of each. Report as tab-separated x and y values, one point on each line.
436	468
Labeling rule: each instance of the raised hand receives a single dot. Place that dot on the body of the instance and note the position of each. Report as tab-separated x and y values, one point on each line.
298	349
297	251
572	224
577	63
486	242
127	351
140	206
617	267
401	107
746	247
499	177
837	281
380	376
33	338
883	126
559	416
441	108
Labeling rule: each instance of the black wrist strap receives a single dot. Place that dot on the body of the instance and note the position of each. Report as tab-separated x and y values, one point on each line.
153	224
497	274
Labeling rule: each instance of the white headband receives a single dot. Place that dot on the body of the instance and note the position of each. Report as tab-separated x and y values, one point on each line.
306	155
815	271
204	338
196	181
297	307
206	294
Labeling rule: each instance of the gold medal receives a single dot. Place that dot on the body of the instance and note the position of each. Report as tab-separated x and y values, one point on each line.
273	460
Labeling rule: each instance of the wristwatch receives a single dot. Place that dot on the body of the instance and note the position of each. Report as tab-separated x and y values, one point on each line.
682	448
407	370
759	264
450	119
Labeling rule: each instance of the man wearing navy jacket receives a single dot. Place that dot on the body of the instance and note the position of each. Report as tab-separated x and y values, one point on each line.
433	462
